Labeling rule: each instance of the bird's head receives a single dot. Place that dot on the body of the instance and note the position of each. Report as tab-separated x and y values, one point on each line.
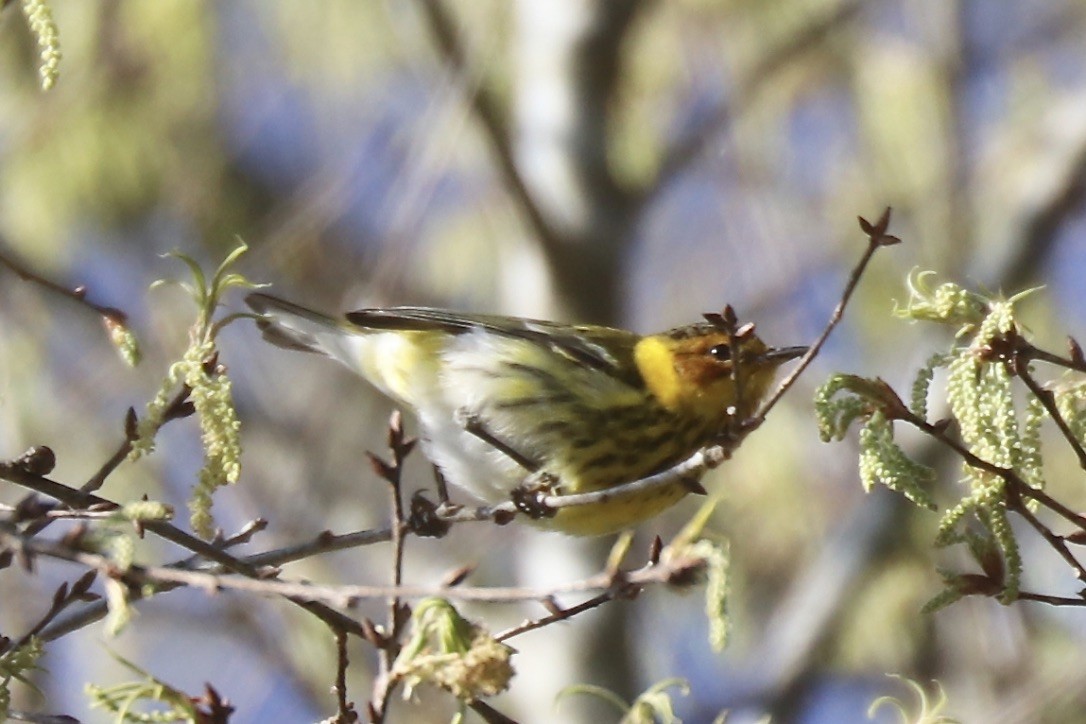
704	370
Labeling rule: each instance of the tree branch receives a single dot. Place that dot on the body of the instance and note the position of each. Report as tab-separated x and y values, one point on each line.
78	294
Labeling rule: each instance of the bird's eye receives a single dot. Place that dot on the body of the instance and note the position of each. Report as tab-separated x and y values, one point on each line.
721	352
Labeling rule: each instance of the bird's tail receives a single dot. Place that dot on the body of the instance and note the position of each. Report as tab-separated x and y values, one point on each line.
291	326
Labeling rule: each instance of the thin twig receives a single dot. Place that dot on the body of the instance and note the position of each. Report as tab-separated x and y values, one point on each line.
76	498
1010	477
1045	356
64	513
1021	368
876	238
400	447
399	519
38	718
346	712
1051	600
79	294
324	542
240	538
692	466
245	535
489	714
64	596
562	615
1049	502
95	481
340	596
1057	543
176	409
1015	485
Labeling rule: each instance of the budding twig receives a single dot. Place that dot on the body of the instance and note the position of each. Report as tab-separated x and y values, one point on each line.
1020	367
345	708
345	596
876	239
14	473
400	447
78	294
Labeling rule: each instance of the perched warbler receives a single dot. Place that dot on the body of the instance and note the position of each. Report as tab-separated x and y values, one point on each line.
500	400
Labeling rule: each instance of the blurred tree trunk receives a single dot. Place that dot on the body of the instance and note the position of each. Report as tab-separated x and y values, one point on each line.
567	61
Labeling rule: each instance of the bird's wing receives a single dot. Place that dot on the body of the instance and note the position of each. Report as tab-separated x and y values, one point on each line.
601	348
292	326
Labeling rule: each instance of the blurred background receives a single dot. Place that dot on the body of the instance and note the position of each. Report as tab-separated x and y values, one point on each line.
626	162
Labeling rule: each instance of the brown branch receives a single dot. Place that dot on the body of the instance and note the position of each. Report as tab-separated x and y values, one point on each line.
79	499
345	596
63	597
1079	365
562	614
345	709
98	610
1020	366
1051	600
245	535
78	294
324	542
177	408
876	238
389	644
1056	542
1016	487
1011	478
36	718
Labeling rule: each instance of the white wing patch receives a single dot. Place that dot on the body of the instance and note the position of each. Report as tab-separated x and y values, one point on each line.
474	372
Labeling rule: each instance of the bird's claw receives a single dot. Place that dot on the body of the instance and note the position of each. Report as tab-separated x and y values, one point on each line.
530	497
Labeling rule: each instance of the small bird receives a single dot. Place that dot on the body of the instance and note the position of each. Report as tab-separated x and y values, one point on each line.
504	401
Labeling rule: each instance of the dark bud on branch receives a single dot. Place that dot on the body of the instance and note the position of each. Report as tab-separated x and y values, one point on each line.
1076	351
876	233
38	460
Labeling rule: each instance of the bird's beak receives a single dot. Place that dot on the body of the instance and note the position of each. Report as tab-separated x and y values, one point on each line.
780	355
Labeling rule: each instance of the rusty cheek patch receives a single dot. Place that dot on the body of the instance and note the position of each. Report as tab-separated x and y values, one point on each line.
700	369
695	364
